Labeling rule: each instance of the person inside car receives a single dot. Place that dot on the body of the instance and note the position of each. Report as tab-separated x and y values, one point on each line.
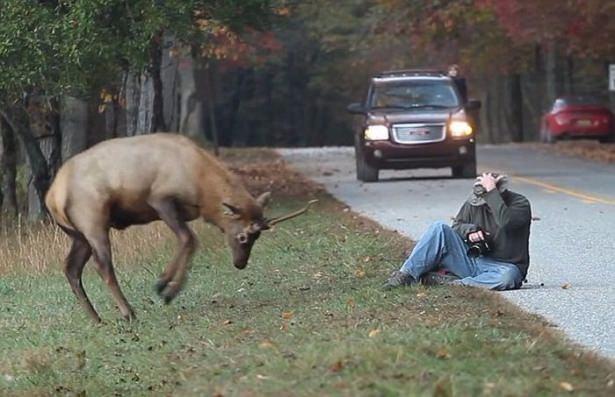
487	245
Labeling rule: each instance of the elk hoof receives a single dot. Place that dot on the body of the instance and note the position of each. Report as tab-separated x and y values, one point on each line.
170	292
160	285
130	317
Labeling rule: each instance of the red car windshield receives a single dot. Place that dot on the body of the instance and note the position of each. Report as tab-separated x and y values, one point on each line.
581	100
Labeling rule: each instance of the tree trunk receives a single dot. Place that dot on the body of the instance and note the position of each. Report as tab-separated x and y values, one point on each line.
516	107
191	97
17	121
211	106
157	104
74	126
551	75
8	164
236	98
170	82
132	98
146	105
44	124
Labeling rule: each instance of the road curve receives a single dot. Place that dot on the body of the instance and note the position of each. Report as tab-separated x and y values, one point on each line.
571	280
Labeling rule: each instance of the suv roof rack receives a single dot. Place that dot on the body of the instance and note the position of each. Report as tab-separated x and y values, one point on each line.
411	72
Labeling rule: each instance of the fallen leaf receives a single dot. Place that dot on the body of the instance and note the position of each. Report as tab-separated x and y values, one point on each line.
81	359
566	386
443	353
443	388
421	295
374	332
336	366
610	383
266	345
367	259
227	322
566	286
262	377
359	273
350	303
288	315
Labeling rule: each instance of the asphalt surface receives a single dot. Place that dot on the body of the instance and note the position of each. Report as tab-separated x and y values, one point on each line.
571	280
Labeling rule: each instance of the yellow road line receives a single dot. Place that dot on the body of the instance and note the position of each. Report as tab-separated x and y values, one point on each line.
587	198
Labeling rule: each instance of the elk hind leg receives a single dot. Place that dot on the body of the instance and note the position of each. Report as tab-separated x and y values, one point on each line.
173	278
102	256
80	252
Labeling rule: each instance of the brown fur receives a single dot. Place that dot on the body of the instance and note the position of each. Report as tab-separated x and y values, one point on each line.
137	180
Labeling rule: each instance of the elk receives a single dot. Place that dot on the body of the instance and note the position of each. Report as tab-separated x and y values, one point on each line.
137	180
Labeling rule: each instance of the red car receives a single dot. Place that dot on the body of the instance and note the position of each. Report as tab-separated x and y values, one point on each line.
577	117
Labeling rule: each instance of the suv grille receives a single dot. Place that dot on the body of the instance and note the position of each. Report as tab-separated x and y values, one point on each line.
418	133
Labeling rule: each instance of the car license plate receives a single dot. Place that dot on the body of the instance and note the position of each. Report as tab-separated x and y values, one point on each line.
584	123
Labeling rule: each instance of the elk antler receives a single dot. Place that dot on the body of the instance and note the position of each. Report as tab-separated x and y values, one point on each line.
273	221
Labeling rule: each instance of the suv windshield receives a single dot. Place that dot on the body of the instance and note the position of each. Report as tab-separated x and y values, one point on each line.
413	94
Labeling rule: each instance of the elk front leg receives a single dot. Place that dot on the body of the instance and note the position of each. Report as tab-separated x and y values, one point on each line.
76	259
172	280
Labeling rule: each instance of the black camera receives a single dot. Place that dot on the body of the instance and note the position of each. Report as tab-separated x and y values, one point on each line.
479	248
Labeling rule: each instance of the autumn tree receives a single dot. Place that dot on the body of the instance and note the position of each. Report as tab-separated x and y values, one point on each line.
53	50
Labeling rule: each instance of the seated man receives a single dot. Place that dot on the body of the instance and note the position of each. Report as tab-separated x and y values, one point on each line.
493	214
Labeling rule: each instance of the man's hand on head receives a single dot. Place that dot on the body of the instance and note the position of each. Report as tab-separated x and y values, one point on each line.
476	236
488	181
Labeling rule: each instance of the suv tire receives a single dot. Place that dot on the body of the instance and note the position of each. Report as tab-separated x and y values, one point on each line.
365	172
467	170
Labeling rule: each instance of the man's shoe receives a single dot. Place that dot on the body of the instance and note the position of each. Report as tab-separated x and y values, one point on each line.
398	279
438	278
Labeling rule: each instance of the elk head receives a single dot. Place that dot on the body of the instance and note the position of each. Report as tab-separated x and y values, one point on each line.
244	226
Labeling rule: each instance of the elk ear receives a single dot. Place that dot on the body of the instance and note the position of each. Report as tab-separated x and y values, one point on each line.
231	210
263	199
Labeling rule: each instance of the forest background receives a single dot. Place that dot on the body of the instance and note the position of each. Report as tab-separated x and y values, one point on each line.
269	72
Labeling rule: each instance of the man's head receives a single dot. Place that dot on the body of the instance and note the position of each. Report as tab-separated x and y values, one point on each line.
484	183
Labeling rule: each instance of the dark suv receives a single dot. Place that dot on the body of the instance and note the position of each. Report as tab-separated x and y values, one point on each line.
415	119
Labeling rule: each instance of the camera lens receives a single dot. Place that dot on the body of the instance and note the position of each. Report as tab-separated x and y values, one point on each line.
474	251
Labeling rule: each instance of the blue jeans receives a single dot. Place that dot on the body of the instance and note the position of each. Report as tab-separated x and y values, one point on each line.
442	247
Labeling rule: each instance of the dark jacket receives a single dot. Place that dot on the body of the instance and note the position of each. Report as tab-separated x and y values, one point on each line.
506	217
460	83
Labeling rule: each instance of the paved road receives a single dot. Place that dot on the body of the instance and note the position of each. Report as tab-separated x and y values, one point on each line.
572	242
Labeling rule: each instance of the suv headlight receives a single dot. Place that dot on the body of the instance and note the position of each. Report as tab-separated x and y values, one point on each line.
377	133
460	128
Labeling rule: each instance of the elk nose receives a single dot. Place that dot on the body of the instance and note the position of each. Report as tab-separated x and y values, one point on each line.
240	264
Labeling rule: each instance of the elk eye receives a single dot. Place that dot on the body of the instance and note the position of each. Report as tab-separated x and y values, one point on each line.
242	238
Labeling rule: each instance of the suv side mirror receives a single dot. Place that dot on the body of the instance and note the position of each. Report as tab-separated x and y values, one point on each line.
356	108
473	104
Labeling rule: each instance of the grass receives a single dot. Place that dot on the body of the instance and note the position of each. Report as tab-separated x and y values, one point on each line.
307	317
